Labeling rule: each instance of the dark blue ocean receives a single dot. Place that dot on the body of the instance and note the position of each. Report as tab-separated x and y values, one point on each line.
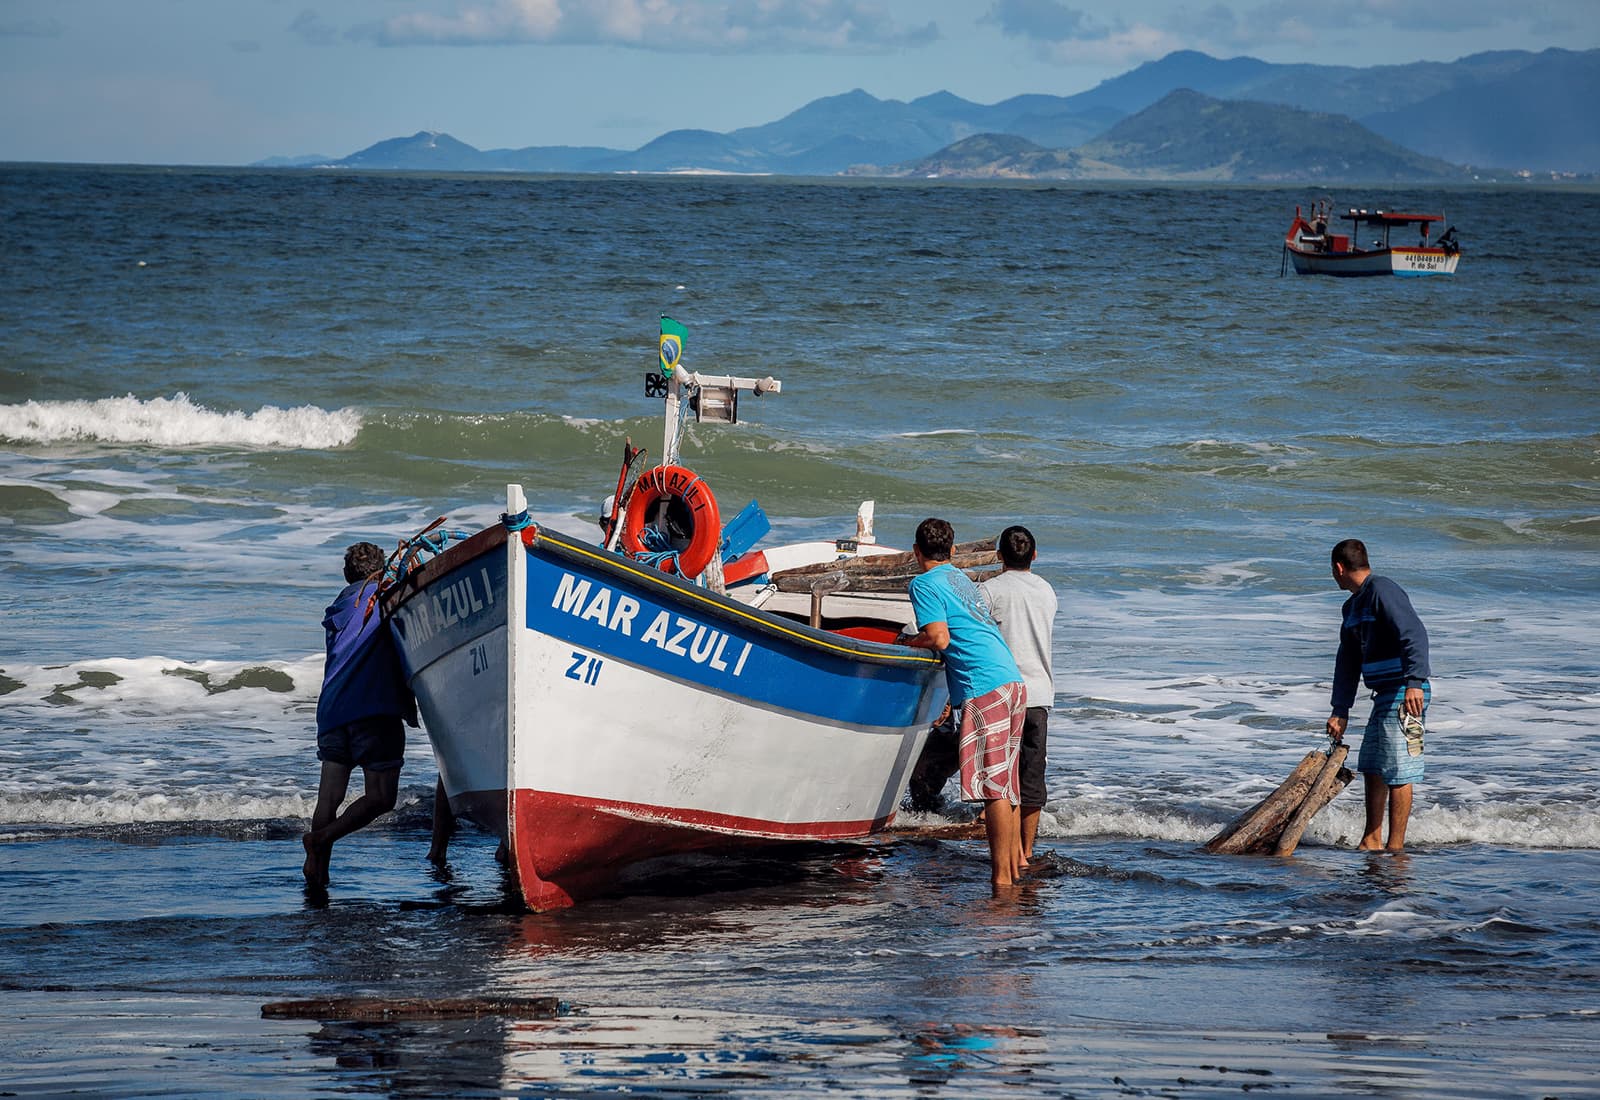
211	381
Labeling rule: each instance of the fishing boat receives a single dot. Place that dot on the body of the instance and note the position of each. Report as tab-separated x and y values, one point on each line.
1316	250
669	688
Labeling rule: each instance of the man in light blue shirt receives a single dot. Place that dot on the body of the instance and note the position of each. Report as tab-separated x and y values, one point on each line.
953	619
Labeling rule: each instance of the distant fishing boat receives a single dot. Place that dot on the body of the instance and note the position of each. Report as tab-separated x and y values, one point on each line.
675	689
1316	250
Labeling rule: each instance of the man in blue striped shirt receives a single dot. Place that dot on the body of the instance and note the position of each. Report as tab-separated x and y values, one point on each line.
1382	641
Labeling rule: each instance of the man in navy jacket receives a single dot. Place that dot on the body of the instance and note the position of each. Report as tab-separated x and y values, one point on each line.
360	713
1382	641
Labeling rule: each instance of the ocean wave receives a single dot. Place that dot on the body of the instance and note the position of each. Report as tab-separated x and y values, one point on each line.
1541	825
176	422
162	685
133	808
125	812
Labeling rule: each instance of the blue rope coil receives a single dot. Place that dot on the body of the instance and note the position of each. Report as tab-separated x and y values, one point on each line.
657	550
409	556
516	522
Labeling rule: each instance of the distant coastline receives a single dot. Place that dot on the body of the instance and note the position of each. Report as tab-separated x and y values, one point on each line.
1493	117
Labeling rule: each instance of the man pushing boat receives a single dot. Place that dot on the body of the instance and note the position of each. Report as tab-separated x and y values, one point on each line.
360	712
953	619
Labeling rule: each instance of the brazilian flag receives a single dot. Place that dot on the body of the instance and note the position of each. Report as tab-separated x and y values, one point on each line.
672	335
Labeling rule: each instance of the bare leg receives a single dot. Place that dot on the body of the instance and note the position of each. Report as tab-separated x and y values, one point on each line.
382	788
1399	816
331	787
1030	830
1377	792
444	825
1005	842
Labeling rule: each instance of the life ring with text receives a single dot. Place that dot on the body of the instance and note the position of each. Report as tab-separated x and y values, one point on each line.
692	524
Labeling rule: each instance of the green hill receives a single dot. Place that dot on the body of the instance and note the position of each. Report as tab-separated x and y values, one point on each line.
997	156
1192	136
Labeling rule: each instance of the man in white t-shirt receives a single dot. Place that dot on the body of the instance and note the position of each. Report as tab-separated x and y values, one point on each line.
1024	606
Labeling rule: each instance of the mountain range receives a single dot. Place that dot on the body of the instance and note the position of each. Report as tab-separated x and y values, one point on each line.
1185	116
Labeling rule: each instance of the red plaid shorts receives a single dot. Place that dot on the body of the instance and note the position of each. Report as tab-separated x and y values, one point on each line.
991	737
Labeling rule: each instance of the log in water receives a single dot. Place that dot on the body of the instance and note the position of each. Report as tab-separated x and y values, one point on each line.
378	1009
1267	825
1330	781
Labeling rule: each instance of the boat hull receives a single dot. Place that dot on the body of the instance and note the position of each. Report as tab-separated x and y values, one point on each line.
644	717
449	623
1383	261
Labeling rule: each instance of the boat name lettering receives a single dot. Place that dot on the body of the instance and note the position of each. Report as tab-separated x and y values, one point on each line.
674	634
443	605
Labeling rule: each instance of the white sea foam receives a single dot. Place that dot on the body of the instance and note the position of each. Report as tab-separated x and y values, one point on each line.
176	422
165	686
132	807
1340	824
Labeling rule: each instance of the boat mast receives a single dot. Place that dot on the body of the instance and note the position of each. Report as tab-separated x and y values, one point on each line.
713	397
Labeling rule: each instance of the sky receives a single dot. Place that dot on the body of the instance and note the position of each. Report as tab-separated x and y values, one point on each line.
231	82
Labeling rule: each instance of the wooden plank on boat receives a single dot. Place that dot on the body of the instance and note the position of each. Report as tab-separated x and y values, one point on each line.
966	555
379	1009
786	581
820	586
1261	825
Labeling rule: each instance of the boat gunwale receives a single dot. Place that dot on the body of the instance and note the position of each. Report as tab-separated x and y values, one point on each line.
765	621
669	587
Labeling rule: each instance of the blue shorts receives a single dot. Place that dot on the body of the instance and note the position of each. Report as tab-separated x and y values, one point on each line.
1391	748
377	744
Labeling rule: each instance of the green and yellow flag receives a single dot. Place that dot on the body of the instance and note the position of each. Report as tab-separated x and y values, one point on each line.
672	335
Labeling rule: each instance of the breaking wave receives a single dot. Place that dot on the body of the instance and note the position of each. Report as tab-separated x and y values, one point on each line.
176	422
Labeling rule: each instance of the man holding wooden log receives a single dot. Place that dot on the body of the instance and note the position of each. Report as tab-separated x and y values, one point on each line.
953	619
1381	640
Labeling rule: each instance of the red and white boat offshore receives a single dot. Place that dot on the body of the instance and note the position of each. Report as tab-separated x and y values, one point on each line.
1315	250
597	711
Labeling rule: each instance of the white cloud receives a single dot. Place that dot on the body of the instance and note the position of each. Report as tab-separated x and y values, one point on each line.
1067	35
708	26
1123	46
313	29
1043	21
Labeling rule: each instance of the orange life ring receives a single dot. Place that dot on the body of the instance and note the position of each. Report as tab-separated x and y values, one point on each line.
689	500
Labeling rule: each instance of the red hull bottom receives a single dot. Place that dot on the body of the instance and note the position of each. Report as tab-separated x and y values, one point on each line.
565	847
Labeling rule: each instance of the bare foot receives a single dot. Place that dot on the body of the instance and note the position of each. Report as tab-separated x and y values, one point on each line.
315	868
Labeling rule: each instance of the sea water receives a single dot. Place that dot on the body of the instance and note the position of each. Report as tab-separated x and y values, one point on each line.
211	381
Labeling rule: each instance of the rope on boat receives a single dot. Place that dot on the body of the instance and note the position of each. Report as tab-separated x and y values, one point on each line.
658	552
516	522
409	554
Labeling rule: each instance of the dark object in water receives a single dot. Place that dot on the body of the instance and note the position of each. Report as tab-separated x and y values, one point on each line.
379	1009
939	761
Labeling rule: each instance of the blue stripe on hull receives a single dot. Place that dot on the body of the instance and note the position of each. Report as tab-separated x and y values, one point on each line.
611	612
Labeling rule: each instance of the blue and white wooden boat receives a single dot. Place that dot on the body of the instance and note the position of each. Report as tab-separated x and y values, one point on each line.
597	712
